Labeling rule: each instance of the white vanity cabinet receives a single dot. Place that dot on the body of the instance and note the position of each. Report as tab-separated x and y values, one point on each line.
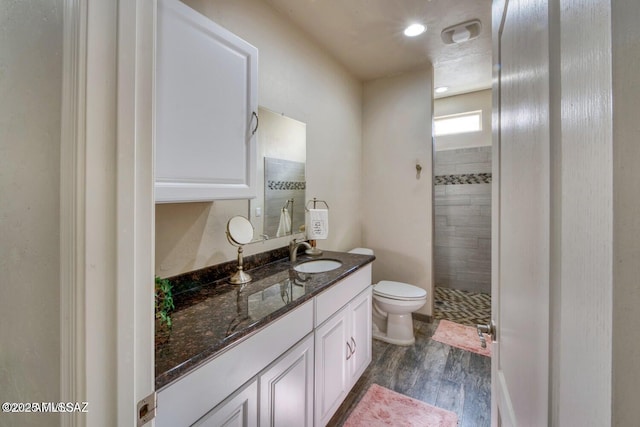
205	109
295	372
361	326
239	410
332	376
286	388
283	392
342	342
203	393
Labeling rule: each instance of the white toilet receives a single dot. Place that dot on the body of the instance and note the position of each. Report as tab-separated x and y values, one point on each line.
393	303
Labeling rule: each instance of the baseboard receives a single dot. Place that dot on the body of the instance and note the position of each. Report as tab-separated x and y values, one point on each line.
422	317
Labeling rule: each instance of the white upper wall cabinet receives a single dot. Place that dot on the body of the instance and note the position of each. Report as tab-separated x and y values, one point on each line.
205	109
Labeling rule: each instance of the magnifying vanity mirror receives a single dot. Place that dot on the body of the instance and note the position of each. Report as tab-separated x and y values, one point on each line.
239	232
278	210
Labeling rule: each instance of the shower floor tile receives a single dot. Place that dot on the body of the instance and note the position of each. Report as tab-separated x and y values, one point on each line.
464	307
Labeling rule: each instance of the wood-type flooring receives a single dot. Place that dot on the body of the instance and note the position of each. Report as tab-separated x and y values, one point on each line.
435	373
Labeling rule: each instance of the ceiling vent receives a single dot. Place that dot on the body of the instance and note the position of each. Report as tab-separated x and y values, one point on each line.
461	33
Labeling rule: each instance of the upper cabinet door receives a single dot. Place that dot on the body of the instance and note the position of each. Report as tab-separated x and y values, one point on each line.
205	109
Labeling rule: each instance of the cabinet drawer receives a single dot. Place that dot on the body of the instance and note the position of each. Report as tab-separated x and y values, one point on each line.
186	400
334	298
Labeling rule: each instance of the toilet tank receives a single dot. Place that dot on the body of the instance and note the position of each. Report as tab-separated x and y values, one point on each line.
361	251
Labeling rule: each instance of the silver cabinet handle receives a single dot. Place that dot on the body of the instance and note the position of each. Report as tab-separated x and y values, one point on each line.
254	114
349	351
354	344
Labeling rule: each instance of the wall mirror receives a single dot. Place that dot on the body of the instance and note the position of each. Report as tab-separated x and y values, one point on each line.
278	209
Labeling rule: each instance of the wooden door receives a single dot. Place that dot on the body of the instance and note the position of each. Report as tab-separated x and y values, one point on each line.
520	290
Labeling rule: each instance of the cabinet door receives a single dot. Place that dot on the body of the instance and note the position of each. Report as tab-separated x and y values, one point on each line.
239	410
286	389
205	100
332	377
360	311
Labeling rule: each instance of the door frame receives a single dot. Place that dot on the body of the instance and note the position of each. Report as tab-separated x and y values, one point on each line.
107	210
498	11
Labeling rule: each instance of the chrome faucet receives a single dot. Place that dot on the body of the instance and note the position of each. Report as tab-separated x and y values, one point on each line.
293	249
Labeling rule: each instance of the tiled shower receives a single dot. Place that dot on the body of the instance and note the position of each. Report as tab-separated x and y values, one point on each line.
463	219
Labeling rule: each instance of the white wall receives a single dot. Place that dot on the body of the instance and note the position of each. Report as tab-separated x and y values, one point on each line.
300	80
30	108
396	207
473	101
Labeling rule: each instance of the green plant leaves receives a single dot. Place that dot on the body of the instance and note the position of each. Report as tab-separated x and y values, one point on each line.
164	301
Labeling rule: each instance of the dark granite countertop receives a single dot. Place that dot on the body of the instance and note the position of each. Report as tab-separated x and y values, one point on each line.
209	318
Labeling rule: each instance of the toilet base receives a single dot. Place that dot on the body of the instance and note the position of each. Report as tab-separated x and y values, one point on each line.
399	329
381	336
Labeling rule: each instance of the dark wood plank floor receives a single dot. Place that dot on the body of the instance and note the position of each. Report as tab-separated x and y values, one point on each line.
443	376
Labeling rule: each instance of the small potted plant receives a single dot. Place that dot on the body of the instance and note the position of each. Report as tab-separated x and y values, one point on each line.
164	306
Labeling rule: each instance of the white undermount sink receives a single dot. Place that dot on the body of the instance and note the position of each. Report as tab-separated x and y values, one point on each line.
317	266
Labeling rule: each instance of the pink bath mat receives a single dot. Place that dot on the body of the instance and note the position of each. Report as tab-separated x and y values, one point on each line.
383	407
461	336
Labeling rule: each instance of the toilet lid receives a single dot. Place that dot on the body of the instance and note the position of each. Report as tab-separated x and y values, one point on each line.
398	290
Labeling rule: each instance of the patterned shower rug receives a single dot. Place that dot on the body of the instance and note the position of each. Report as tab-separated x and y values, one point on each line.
383	407
461	336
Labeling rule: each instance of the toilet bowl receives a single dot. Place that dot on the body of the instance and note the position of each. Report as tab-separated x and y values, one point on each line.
393	303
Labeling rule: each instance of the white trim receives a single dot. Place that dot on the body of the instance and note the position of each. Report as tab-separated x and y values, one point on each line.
135	207
499	13
87	352
72	211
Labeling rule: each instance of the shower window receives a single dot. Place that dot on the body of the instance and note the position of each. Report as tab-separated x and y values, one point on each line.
458	123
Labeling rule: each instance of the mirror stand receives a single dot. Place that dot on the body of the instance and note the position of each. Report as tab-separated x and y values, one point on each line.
240	277
239	232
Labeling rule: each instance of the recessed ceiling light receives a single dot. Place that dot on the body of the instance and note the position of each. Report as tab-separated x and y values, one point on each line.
414	30
441	89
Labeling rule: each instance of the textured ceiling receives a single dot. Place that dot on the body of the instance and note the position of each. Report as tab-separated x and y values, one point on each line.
366	37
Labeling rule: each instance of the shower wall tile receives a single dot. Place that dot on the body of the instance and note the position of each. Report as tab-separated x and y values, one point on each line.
446	230
456	242
474	168
469	221
284	180
467	189
452	200
445	169
462	253
465	155
485	244
470	231
481	199
465	210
